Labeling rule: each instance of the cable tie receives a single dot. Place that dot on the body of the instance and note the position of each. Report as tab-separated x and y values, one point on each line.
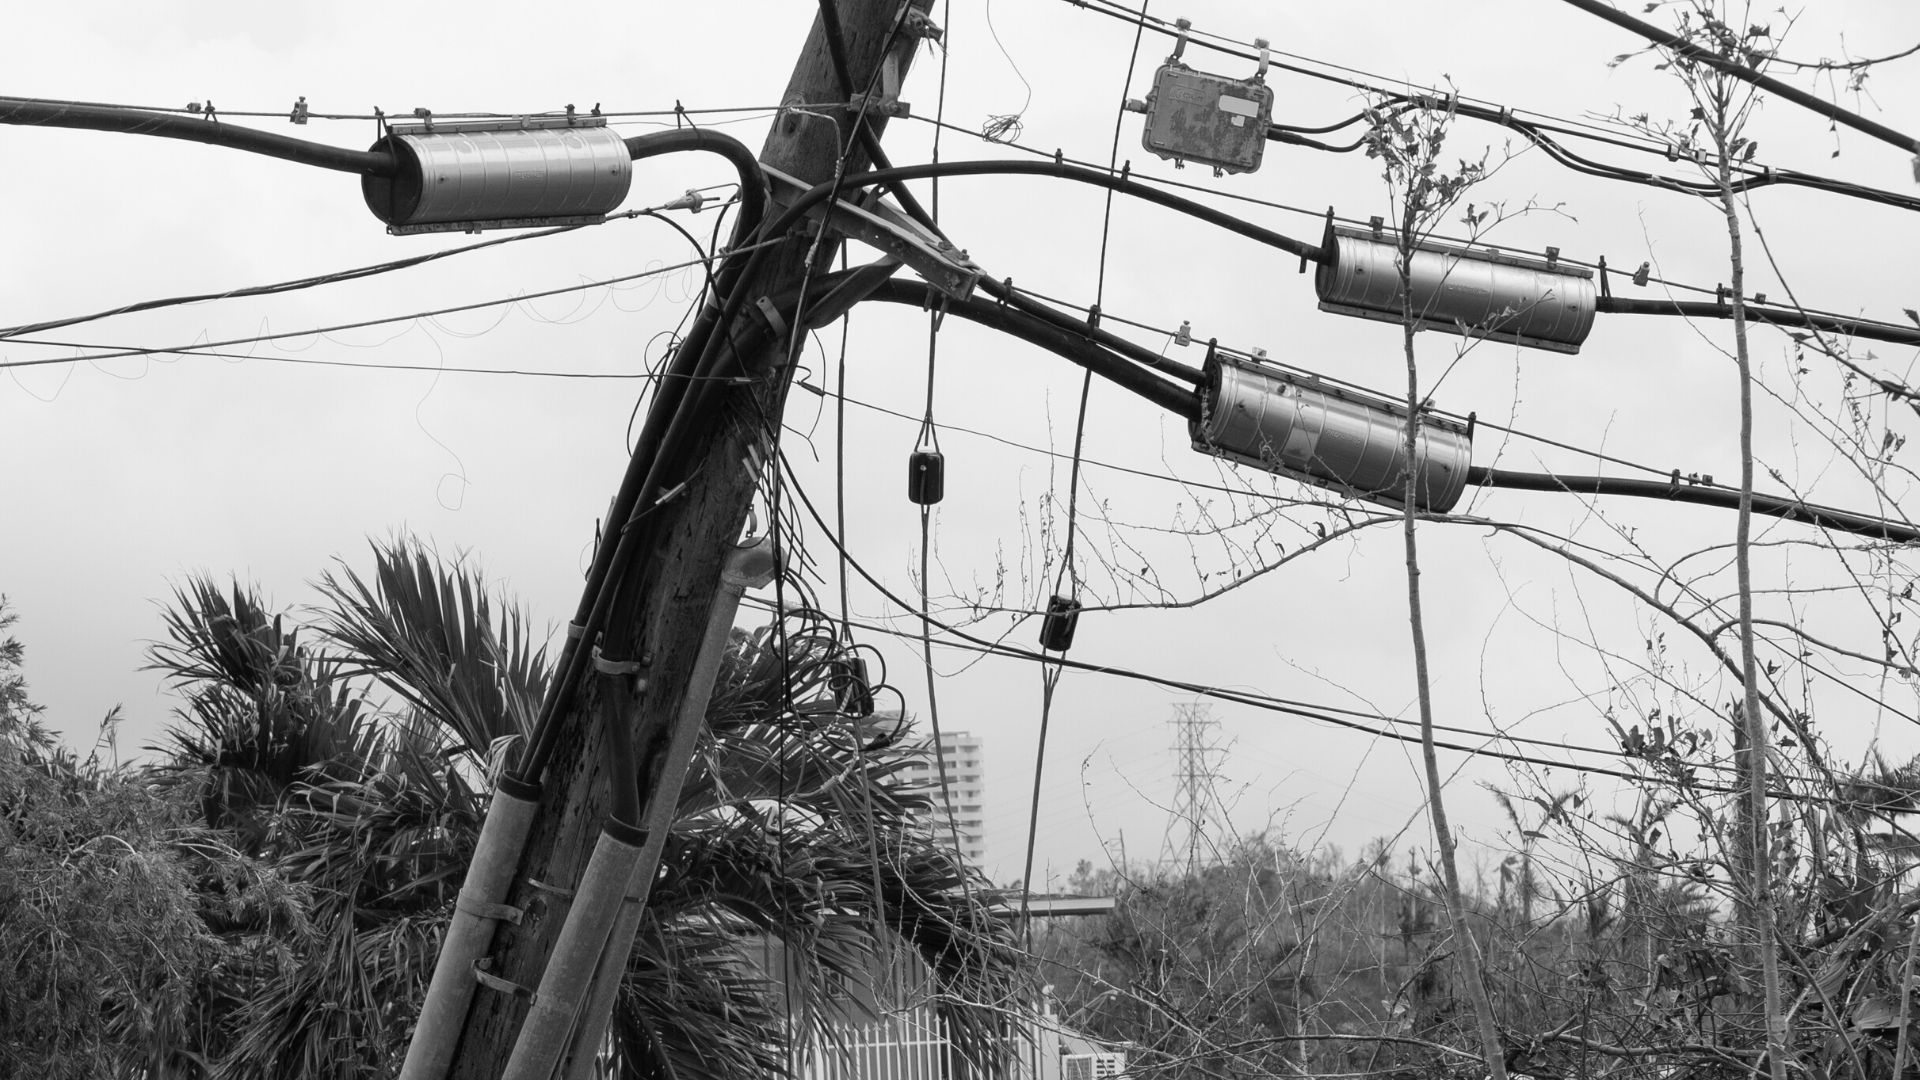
567	894
494	982
575	631
614	667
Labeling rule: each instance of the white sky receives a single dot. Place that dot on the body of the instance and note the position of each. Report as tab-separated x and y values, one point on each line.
118	477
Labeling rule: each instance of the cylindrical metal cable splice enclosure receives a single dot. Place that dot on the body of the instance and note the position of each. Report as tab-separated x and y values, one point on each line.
1332	436
1460	290
474	176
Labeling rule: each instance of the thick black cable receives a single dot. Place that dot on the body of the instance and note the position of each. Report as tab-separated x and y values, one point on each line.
34	113
1059	169
753	182
1682	47
1075	347
1771	315
1004	292
1753	175
670	390
1749	179
870	142
1677	489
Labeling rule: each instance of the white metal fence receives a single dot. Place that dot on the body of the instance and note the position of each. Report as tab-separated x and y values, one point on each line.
910	1045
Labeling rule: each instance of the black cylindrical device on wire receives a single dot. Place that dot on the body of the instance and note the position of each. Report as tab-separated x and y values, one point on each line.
1063	617
927	477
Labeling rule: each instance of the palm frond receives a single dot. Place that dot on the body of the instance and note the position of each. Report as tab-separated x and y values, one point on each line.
427	631
262	711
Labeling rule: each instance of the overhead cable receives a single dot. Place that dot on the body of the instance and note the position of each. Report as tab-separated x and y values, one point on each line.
1682	47
332	278
204	347
1678	489
1533	125
1772	315
972	643
204	129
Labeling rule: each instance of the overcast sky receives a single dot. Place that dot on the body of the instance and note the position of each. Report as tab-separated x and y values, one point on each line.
119	477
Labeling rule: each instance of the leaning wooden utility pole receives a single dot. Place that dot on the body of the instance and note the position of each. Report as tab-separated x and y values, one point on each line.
698	529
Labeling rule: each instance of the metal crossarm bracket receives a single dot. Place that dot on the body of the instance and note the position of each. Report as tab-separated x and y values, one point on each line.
880	225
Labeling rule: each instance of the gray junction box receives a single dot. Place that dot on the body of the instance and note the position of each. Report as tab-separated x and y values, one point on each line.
1211	119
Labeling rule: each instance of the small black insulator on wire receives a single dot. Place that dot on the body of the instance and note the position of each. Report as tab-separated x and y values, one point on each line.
927	477
1056	631
852	693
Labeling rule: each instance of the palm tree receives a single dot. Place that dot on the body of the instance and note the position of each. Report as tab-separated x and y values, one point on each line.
355	755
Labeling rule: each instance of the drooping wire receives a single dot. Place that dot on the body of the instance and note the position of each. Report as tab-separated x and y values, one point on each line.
1332	715
189	349
1005	127
700	303
1617	134
296	284
928	439
1069	575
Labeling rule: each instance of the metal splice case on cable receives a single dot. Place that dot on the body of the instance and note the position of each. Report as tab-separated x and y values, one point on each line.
1542	303
494	175
1330	435
1211	119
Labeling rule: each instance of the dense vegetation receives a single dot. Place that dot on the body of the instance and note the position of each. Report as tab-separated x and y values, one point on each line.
266	898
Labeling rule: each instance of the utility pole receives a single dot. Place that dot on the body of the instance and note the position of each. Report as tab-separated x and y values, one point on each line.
679	579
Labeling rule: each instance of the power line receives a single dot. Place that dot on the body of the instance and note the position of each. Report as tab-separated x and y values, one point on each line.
1682	47
204	112
1330	714
1533	129
294	285
191	349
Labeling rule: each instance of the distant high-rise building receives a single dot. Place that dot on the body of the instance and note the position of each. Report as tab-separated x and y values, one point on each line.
965	793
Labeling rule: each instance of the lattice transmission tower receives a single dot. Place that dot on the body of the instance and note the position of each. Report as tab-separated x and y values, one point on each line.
1196	799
